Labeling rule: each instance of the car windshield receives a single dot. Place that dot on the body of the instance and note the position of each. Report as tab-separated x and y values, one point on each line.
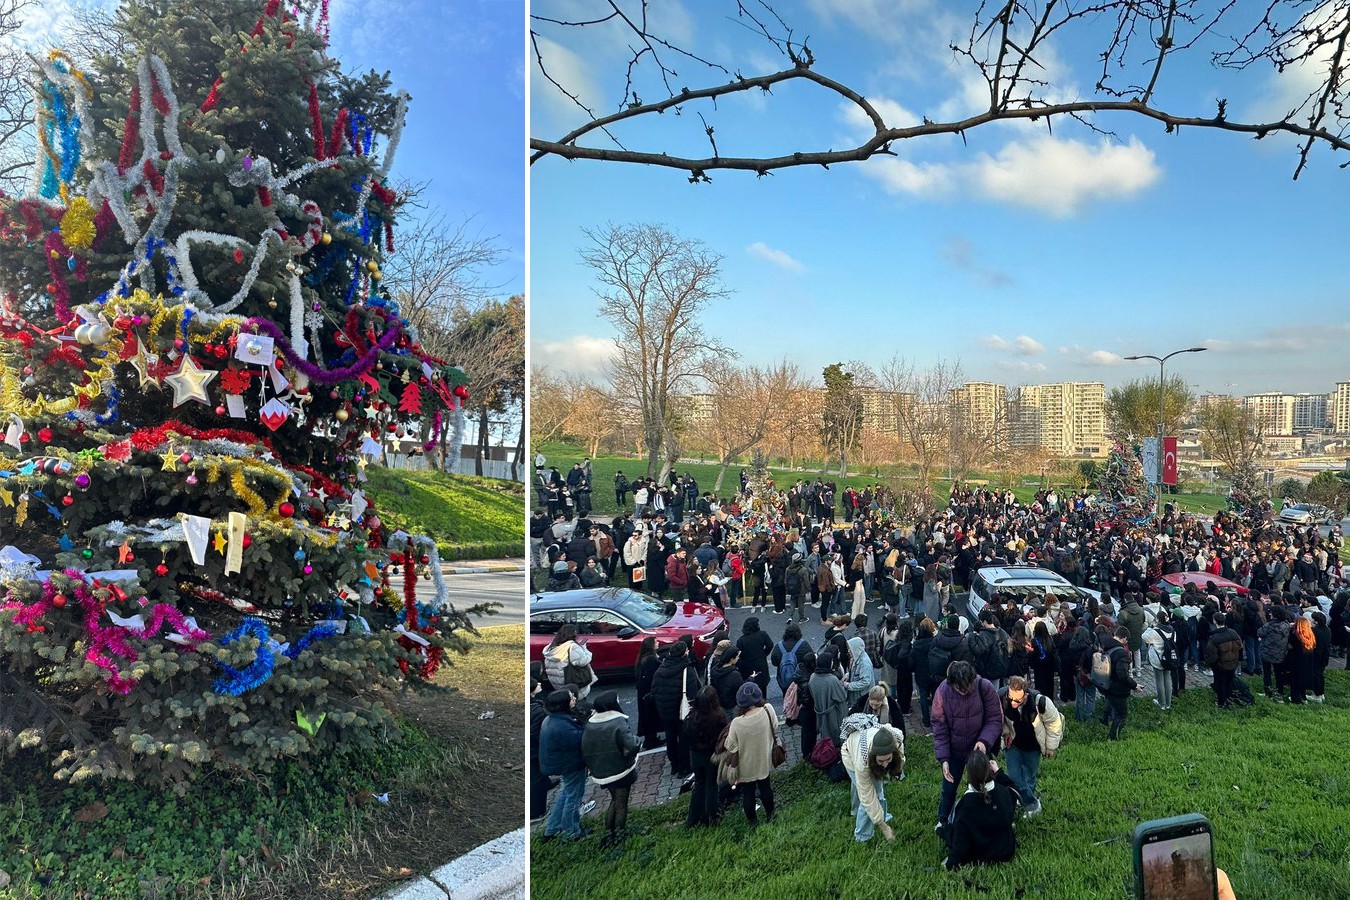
641	610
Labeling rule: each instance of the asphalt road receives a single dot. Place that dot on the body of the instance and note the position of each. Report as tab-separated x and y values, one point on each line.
506	588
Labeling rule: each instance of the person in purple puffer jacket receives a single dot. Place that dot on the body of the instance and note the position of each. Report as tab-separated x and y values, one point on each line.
967	716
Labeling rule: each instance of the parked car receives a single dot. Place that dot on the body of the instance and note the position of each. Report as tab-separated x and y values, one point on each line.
1177	581
1308	514
611	623
1031	585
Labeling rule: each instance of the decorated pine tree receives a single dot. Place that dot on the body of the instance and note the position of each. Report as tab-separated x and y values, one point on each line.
1121	487
198	357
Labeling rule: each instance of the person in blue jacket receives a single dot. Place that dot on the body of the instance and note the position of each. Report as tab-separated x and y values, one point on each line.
560	755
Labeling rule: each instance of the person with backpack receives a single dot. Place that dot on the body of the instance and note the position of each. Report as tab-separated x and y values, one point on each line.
967	716
1081	646
786	656
872	755
899	658
1160	650
949	645
989	651
795	581
829	699
1274	637
1111	674
1068	661
1224	652
1037	730
924	682
862	675
799	707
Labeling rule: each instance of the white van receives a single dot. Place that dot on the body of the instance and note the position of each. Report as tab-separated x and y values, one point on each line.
1032	586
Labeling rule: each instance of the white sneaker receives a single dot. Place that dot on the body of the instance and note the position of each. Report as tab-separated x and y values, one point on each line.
587	807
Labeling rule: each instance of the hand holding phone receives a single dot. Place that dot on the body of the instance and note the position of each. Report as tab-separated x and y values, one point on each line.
1174	859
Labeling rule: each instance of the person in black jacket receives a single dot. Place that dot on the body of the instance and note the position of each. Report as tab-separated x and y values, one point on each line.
540	784
879	702
727	679
806	716
923	679
1121	684
1321	656
610	750
649	720
702	730
982	826
675	677
754	646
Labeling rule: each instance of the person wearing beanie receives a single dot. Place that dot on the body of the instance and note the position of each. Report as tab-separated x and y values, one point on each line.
872	756
750	740
567	662
562	578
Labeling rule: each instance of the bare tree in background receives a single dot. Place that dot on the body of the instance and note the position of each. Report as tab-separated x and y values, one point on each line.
653	286
977	440
16	100
488	343
921	412
1130	44
1230	433
744	404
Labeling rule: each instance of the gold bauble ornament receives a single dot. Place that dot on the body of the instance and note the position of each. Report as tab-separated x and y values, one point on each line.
342	415
371	265
326	239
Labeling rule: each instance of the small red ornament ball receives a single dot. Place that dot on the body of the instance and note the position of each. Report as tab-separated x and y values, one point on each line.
220	410
131	557
67	500
248	541
425	559
59	601
161	570
238	256
44	435
461	392
286	509
396	559
185	457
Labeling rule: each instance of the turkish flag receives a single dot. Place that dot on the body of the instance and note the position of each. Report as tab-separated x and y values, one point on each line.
1169	468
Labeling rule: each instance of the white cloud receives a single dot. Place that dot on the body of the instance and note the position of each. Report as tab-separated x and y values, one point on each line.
995	342
581	355
1058	176
1027	346
569	70
1085	357
1020	365
892	113
761	250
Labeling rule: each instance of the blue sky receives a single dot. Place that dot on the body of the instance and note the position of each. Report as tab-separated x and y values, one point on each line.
1029	256
463	64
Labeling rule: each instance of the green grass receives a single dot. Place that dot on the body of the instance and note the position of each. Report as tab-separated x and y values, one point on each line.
604	468
1268	778
469	517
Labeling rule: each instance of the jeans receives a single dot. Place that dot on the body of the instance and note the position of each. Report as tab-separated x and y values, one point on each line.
863	827
1085	702
1162	686
565	816
1250	665
1024	766
1117	708
947	803
867	584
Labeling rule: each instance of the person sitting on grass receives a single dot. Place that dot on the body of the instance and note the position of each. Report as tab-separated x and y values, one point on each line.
872	756
560	754
610	749
982	828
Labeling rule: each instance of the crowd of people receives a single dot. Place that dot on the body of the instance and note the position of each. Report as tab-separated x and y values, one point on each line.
1271	601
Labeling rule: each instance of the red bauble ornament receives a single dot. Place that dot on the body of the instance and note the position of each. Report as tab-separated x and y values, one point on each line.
238	256
44	435
425	559
286	509
461	392
67	500
161	570
248	542
396	559
59	601
220	410
185	457
131	557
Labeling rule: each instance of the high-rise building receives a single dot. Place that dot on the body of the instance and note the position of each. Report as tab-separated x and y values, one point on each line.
1064	419
1272	410
1310	412
981	407
1339	411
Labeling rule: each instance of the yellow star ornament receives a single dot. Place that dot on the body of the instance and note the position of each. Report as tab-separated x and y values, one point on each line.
189	382
220	543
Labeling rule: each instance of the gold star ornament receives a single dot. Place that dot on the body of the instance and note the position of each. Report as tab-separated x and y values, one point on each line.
189	382
220	543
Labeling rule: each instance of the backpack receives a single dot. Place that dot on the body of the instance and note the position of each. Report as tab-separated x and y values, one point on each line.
1101	669
794	580
855	722
897	652
787	666
1169	651
792	708
990	649
939	658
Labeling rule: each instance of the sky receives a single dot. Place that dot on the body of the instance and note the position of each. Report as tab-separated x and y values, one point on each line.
463	64
1030	256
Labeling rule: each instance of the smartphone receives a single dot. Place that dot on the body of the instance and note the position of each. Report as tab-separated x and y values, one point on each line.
1174	859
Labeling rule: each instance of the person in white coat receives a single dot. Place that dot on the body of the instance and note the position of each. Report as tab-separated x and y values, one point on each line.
872	756
567	663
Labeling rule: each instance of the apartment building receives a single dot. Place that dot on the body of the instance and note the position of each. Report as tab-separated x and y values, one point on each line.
1272	410
1339	411
1064	419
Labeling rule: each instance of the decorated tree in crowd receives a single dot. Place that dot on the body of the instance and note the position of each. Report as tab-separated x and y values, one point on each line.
1121	487
198	357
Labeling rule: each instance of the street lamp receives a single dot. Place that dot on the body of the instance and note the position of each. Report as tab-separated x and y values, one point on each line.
1162	400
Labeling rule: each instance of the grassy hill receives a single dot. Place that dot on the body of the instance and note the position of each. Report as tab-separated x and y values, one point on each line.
470	518
1267	777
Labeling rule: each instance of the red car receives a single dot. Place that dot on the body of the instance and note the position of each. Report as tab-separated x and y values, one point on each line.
1177	581
611	623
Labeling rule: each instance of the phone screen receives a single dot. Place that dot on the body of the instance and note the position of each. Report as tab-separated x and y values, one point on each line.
1178	863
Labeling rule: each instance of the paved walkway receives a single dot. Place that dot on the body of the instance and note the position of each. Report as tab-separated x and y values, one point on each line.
656	785
479	566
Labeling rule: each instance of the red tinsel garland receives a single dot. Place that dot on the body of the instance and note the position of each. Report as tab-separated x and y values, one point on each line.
153	438
130	132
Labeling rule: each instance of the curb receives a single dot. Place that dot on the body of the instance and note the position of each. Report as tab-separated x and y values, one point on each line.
479	570
493	871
